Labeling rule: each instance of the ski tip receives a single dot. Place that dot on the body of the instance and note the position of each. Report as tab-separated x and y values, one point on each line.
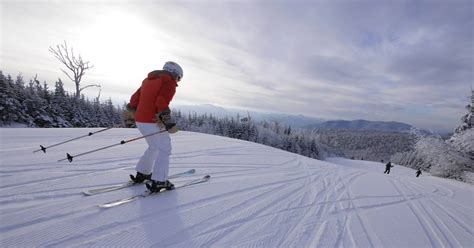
86	193
207	177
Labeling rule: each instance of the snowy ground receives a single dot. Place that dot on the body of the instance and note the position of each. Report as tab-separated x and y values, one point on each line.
258	196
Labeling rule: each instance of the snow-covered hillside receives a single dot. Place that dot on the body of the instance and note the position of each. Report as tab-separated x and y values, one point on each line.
258	196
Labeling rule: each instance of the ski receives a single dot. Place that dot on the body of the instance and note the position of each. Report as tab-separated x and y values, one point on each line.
147	193
130	183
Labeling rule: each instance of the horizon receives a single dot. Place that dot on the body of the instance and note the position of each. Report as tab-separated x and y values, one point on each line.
405	61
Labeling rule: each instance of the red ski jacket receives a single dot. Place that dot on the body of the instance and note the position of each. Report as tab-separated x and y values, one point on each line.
154	96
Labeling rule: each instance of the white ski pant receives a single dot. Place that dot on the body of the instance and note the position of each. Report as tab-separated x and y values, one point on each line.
157	156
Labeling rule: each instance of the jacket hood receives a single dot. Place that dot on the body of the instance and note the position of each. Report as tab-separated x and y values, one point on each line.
161	73
157	73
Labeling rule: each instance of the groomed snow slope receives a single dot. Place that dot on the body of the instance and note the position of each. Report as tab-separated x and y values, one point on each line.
258	196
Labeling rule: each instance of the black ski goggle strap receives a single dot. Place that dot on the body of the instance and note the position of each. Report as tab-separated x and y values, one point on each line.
176	76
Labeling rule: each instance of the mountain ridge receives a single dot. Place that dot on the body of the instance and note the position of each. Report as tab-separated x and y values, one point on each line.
361	124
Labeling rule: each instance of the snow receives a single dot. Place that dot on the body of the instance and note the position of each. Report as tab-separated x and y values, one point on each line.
15	125
258	196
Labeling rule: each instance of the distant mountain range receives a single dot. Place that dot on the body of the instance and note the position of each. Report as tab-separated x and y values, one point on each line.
391	126
298	121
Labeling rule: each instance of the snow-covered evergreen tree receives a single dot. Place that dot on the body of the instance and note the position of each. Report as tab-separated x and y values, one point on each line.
59	104
467	120
37	106
8	104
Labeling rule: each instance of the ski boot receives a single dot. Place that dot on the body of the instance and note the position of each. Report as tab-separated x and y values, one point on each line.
157	186
140	178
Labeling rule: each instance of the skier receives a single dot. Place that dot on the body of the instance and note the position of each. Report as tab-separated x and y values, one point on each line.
152	114
418	173
387	167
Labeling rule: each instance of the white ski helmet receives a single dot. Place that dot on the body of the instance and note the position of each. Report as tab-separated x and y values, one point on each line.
174	69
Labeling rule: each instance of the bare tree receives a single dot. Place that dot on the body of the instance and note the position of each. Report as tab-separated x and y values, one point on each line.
98	95
75	65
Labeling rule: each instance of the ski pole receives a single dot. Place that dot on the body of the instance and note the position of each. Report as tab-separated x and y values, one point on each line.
89	134
70	157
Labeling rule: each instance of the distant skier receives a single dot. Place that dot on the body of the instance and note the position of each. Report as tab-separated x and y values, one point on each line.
418	173
152	114
387	168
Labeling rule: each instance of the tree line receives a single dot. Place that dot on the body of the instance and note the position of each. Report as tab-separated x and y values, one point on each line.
271	134
35	105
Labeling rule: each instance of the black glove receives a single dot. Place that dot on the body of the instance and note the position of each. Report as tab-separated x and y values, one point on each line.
128	116
165	118
130	108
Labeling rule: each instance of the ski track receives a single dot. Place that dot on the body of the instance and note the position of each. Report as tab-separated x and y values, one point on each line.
254	220
428	228
48	181
257	197
340	191
369	233
443	229
240	221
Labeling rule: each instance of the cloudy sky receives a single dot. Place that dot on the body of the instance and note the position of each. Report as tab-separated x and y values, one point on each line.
409	61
